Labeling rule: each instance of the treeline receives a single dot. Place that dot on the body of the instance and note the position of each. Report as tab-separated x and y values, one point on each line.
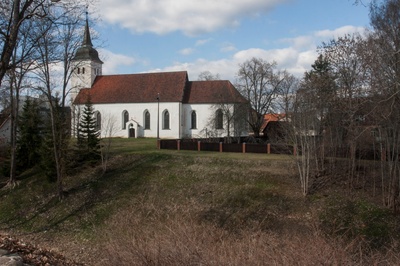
38	42
350	99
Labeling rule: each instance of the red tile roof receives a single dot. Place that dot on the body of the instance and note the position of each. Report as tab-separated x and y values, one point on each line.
271	118
172	87
135	88
213	91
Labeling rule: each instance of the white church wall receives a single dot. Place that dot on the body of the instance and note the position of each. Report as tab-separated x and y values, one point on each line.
205	114
136	118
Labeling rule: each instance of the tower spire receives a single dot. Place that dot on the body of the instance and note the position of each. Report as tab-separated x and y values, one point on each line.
86	50
87	41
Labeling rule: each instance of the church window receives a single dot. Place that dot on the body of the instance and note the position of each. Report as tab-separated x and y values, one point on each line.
125	118
194	120
79	70
146	120
166	119
98	121
219	119
83	70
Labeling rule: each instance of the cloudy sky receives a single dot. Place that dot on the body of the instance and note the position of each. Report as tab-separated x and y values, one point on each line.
217	35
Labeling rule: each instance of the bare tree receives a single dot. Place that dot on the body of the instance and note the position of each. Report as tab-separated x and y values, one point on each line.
22	62
287	93
385	83
302	132
352	106
228	120
207	75
13	14
259	82
54	47
309	110
109	124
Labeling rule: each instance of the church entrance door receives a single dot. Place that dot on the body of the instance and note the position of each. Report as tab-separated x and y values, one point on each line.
131	132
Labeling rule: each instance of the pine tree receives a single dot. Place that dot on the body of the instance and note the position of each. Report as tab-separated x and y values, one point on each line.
48	160
29	137
88	134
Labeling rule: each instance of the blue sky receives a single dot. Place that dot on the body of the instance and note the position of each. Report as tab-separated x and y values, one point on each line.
217	35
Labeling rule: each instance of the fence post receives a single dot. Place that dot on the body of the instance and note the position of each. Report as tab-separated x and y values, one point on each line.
179	144
244	147
268	148
220	147
199	145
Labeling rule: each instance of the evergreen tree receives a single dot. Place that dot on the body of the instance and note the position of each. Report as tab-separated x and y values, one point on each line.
29	137
48	160
88	134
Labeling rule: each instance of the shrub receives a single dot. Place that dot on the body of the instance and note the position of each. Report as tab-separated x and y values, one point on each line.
357	219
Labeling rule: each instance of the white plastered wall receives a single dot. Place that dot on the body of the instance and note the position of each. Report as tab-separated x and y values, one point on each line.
136	111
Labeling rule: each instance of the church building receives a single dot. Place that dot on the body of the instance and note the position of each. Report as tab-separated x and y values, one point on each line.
162	105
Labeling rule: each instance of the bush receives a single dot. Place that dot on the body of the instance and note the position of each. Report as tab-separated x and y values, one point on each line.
367	222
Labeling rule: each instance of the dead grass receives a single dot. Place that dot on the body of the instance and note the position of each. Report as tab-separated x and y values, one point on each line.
156	207
141	236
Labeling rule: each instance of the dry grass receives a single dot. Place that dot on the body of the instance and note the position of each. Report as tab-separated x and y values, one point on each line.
156	207
141	236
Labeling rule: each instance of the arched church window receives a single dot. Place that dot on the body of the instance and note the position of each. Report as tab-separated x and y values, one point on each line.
194	120
79	70
98	121
166	119
146	120
83	70
219	119
125	118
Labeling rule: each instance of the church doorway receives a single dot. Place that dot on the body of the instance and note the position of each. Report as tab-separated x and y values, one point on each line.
131	131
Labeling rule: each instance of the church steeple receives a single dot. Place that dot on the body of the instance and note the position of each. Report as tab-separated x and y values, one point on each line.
87	41
86	64
86	51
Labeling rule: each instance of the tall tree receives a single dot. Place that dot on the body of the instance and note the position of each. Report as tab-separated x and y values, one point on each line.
30	135
54	48
346	57
22	62
89	133
258	81
13	14
308	120
385	81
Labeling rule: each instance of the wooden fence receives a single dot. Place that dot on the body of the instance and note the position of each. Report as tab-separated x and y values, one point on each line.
267	148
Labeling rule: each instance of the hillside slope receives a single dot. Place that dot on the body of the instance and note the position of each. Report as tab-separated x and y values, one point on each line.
187	208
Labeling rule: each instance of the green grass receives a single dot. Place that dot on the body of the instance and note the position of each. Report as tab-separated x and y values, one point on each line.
138	166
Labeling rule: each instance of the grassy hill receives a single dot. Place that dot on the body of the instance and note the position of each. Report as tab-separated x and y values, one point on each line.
160	207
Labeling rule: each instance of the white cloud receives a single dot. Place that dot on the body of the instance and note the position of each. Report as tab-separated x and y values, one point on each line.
300	42
112	61
296	56
186	51
342	31
202	42
227	47
192	17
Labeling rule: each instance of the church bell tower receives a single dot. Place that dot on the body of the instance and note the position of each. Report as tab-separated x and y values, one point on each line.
86	64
